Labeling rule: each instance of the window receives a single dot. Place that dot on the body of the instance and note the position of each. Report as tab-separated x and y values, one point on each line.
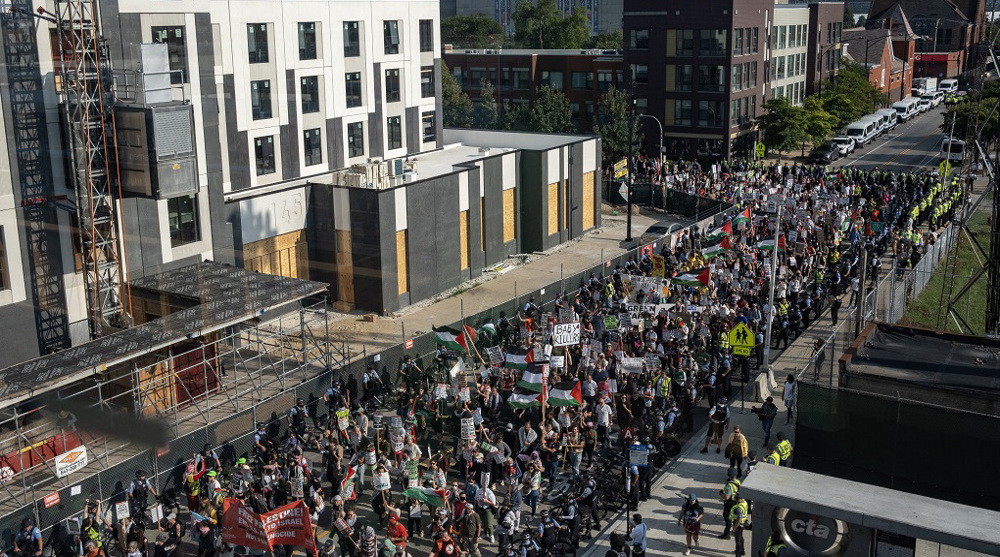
640	73
737	81
353	83
682	113
753	40
263	149
427	81
428	122
605	79
685	42
782	36
711	79
257	42
753	74
574	114
641	105
394	131
522	79
390	31
710	114
352	39
355	139
553	80
173	37
943	36
774	37
426	35
640	38
182	217
780	63
391	86
477	75
260	99
312	146
738	42
459	74
310	94
582	81
307	41
683	77
712	42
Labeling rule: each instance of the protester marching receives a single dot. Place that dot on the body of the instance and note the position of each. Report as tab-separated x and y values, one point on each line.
514	440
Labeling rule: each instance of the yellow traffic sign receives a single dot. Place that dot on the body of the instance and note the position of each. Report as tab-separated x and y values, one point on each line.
741	339
621	169
760	149
944	168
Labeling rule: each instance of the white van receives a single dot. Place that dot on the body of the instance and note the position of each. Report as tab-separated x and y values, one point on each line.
892	118
948	85
860	131
934	98
877	120
906	108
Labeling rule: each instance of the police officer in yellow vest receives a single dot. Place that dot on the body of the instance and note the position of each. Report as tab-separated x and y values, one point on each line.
783	448
775	547
728	495
772	456
739	516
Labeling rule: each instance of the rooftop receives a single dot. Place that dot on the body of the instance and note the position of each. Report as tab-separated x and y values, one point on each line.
538	52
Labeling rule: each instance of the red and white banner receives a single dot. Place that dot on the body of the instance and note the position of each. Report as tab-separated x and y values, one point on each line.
287	525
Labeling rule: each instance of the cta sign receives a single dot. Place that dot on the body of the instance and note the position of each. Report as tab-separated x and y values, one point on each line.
811	534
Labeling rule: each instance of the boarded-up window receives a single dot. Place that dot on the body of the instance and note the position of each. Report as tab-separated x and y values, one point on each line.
553	207
463	238
508	215
286	255
345	267
402	258
588	200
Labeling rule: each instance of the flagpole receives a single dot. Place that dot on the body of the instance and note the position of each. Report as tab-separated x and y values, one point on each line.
770	298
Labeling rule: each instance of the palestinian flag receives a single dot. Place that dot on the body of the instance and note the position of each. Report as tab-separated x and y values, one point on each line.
769	244
694	277
720	233
742	217
456	340
567	393
517	359
523	400
534	377
347	484
848	223
489	330
718	249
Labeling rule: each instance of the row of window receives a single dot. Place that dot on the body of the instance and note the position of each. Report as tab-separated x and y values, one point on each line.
260	91
745	41
789	36
788	66
833	32
711	77
520	78
258	44
711	42
312	142
742	111
796	92
744	76
711	114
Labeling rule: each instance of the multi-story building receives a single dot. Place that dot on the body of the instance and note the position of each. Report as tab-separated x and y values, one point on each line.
582	75
887	55
826	24
790	52
603	16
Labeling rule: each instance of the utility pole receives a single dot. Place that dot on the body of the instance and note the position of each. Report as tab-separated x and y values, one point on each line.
770	296
628	163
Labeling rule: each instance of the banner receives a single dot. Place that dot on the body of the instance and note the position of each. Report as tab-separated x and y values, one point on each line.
636	310
342	419
565	334
287	525
71	461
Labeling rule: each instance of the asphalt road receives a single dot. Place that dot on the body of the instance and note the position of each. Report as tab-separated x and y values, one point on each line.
912	145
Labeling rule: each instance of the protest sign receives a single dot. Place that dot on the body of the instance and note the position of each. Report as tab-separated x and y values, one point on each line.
611	322
380	480
286	525
567	315
557	361
342	419
468	428
631	365
463	394
565	334
496	354
595	347
441	391
652	362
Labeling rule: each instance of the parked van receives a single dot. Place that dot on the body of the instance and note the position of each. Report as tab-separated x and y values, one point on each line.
892	118
934	97
860	131
952	150
948	85
877	120
906	108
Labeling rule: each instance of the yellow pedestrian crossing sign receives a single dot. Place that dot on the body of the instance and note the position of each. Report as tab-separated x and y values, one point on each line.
760	149
741	339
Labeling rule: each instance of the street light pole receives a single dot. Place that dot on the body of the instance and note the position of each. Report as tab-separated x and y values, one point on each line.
770	296
628	163
657	120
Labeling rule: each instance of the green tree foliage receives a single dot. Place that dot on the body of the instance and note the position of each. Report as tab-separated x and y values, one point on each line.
457	106
975	117
484	113
550	112
848	16
852	80
542	25
612	125
516	117
472	31
783	125
818	122
612	40
841	107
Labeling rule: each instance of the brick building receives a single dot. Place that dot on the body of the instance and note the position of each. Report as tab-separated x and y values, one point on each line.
888	56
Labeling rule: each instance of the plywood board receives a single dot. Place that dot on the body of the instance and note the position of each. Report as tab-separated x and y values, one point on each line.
345	267
508	215
588	200
463	238
553	208
286	255
402	270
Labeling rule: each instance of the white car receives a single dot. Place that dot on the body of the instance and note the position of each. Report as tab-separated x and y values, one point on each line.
924	104
846	145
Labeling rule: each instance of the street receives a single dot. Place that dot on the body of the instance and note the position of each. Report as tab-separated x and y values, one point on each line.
912	145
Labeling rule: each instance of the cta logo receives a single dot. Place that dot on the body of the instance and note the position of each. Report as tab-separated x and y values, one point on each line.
811	534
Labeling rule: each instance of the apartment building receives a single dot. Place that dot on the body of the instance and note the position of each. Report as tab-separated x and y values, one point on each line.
789	52
603	16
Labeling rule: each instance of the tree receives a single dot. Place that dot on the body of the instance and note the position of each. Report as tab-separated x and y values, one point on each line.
783	125
818	122
841	107
516	117
848	16
608	41
484	113
612	125
457	106
550	112
542	25
472	31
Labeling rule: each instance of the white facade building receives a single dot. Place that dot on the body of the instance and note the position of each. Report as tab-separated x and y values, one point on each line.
789	52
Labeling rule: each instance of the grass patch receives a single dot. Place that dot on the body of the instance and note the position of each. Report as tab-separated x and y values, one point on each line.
927	309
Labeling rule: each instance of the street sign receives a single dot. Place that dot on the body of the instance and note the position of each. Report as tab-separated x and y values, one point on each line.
638	455
741	339
621	169
760	149
408	345
623	191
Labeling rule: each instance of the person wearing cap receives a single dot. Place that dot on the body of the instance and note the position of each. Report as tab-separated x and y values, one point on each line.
766	413
397	533
328	549
691	514
172	532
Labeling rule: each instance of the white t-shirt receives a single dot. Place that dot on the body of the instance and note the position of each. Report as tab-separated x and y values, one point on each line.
603	413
